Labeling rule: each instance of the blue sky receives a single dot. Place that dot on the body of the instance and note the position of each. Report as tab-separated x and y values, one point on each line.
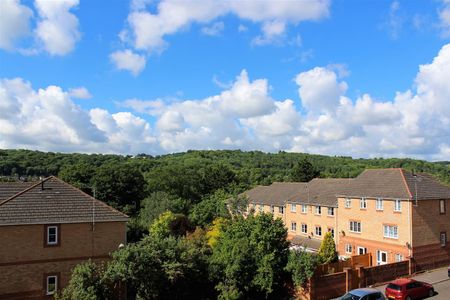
330	77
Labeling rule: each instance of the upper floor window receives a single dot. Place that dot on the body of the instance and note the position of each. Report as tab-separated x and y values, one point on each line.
442	206
355	226
379	204
348	202
293	207
51	283
398	205
390	231
272	209
281	209
294	226
318	210
304	208
363	203
318	231
331	211
261	207
52	235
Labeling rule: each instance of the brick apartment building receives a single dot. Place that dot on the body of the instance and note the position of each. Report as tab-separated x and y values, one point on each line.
46	229
390	213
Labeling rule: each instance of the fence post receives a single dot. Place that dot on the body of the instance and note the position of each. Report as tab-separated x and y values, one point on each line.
348	279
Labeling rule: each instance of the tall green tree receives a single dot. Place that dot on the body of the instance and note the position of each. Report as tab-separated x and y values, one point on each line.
249	258
301	265
327	251
304	171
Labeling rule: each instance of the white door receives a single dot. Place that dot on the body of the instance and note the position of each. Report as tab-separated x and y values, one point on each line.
362	250
381	257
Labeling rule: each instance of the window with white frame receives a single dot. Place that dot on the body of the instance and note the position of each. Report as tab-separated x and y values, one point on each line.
52	235
390	231
355	226
272	209
304	228
318	231
398	257
348	248
261	208
442	207
304	208
331	230
51	284
281	209
397	205
318	210
293	226
379	204
331	211
293	207
363	203
348	202
443	239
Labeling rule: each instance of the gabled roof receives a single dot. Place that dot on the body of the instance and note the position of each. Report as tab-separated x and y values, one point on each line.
54	201
396	184
275	194
9	189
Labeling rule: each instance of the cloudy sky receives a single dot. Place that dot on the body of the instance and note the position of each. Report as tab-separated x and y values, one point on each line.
338	77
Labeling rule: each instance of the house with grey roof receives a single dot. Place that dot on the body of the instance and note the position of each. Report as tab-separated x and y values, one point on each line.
47	228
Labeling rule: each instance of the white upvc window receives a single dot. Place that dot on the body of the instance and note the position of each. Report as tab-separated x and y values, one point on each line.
318	231
398	257
52	235
331	230
293	226
293	207
348	248
442	207
261	208
361	250
318	210
363	203
51	284
348	202
390	231
272	209
331	211
281	209
379	204
304	228
355	226
304	208
443	238
397	205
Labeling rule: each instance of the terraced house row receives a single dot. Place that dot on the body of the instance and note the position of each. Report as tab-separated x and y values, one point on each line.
391	213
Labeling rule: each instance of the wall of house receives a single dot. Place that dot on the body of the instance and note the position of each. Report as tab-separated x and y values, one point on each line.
24	260
428	223
311	219
268	209
372	221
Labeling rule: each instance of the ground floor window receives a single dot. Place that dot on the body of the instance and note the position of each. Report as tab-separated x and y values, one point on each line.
348	248
294	226
51	284
331	230
304	228
443	238
318	231
398	257
362	250
381	257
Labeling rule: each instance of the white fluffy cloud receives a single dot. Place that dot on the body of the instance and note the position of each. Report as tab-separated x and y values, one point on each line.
14	22
57	29
146	30
444	17
127	60
414	123
80	93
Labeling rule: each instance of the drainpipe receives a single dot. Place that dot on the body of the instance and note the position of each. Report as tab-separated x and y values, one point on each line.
410	229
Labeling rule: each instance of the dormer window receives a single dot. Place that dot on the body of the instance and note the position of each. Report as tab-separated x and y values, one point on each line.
51	235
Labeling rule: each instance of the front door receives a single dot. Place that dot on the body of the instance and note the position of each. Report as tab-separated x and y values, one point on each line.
381	257
362	250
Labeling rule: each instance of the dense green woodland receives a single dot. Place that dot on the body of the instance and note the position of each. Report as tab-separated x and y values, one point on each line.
187	236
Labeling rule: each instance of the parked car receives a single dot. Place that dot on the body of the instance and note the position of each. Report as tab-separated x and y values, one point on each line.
364	294
408	289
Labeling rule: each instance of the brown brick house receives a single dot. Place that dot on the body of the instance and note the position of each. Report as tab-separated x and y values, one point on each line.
391	213
47	228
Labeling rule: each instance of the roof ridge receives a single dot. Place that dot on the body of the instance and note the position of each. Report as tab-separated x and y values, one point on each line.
25	190
406	184
81	191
